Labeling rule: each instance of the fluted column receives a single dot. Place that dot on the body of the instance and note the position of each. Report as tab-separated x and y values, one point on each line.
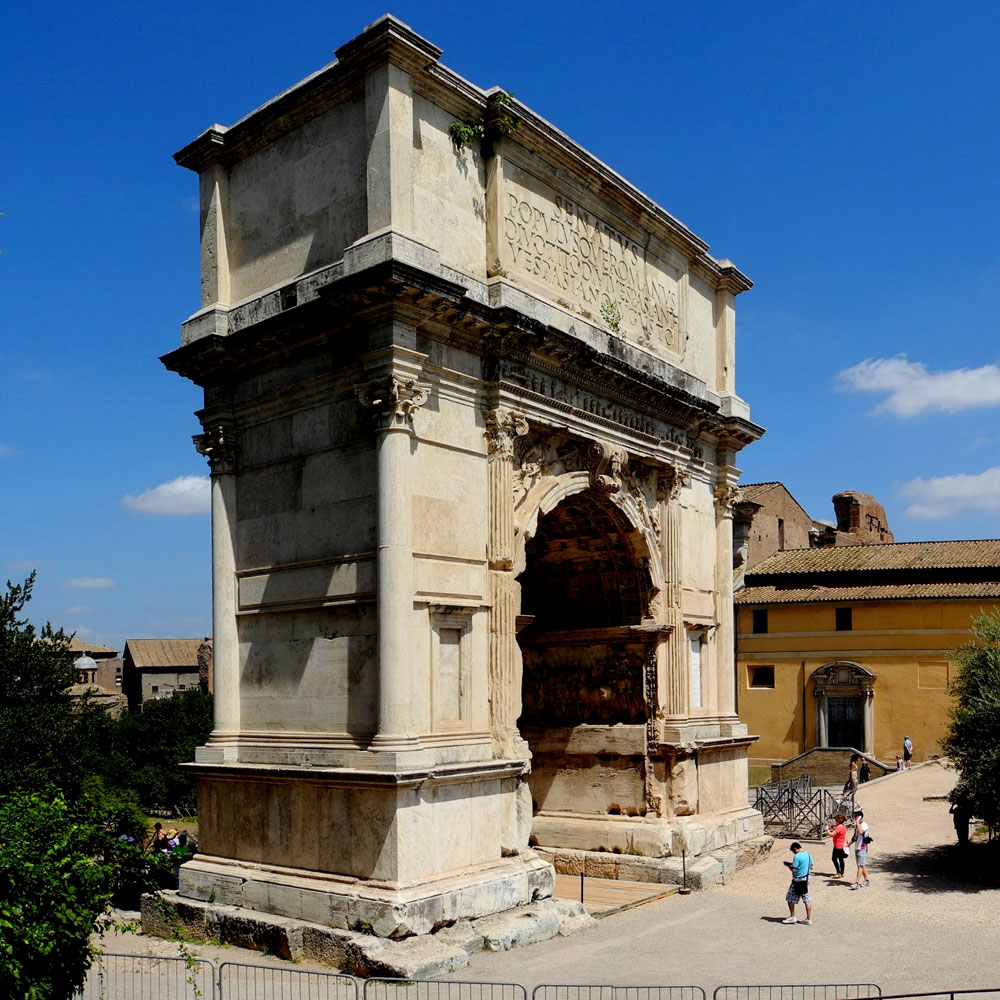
668	488
393	400
502	427
725	497
218	445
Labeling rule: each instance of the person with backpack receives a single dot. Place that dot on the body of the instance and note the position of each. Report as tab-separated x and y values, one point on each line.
861	839
798	892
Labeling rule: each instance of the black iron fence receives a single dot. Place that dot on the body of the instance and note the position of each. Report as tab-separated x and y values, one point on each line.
795	809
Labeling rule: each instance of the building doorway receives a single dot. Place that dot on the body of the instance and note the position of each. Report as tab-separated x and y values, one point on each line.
846	722
844	693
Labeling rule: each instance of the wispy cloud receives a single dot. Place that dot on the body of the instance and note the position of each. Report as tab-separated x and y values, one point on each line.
89	583
79	610
25	564
949	496
911	389
184	495
5	451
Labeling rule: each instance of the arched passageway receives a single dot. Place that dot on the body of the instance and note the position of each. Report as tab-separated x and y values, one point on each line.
585	592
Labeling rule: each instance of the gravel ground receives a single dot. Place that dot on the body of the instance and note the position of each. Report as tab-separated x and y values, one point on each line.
928	921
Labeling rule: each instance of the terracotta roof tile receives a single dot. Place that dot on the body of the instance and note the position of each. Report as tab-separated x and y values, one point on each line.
890	592
979	554
750	491
164	652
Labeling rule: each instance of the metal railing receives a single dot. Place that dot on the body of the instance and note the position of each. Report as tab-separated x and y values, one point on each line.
549	991
269	982
142	977
805	991
385	988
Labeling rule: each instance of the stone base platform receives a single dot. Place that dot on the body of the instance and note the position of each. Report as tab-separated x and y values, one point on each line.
715	868
384	909
166	914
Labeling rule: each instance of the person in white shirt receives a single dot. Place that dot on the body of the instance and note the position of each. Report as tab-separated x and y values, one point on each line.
860	842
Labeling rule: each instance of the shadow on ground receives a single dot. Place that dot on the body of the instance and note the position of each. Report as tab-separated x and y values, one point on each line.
949	868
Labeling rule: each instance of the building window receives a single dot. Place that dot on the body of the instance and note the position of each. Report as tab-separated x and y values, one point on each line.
761	677
843	619
180	687
760	621
781	534
155	689
694	667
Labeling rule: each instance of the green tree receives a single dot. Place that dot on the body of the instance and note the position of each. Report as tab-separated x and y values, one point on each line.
37	734
151	743
973	739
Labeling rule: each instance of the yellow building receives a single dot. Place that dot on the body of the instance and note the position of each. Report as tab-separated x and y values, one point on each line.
852	646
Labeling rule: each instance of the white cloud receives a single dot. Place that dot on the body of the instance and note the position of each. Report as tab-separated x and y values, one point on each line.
911	389
89	583
25	564
79	610
949	496
184	495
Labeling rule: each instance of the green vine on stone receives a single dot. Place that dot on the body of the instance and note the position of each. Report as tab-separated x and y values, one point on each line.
612	315
494	122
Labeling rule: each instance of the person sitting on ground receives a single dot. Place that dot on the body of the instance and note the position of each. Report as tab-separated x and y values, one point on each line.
798	891
860	840
839	835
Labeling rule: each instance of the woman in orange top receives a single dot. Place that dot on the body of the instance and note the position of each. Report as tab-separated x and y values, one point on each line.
839	834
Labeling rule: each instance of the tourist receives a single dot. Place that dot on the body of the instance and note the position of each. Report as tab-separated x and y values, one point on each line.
907	752
851	785
864	772
798	891
899	763
861	840
961	816
839	835
158	842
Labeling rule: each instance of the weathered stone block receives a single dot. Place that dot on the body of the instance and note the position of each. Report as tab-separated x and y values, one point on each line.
703	872
518	927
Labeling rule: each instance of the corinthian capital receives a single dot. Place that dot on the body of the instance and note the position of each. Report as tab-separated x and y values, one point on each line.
218	445
502	427
725	496
670	481
393	399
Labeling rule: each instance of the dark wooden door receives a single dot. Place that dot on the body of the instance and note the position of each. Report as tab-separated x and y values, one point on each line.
846	725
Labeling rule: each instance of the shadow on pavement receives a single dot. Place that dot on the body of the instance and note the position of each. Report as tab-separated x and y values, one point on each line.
948	868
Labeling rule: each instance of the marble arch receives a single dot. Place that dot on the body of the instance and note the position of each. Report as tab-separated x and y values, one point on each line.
406	372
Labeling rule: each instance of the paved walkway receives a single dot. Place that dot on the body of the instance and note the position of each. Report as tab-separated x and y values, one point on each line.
930	919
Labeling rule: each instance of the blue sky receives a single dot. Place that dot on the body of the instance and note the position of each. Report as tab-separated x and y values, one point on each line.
844	157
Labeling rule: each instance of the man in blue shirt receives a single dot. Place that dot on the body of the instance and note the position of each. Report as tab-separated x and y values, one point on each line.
798	892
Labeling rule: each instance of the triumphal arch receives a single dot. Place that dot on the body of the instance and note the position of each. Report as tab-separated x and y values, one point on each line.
471	418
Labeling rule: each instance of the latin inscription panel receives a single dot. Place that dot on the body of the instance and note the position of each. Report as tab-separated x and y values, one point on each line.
553	239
